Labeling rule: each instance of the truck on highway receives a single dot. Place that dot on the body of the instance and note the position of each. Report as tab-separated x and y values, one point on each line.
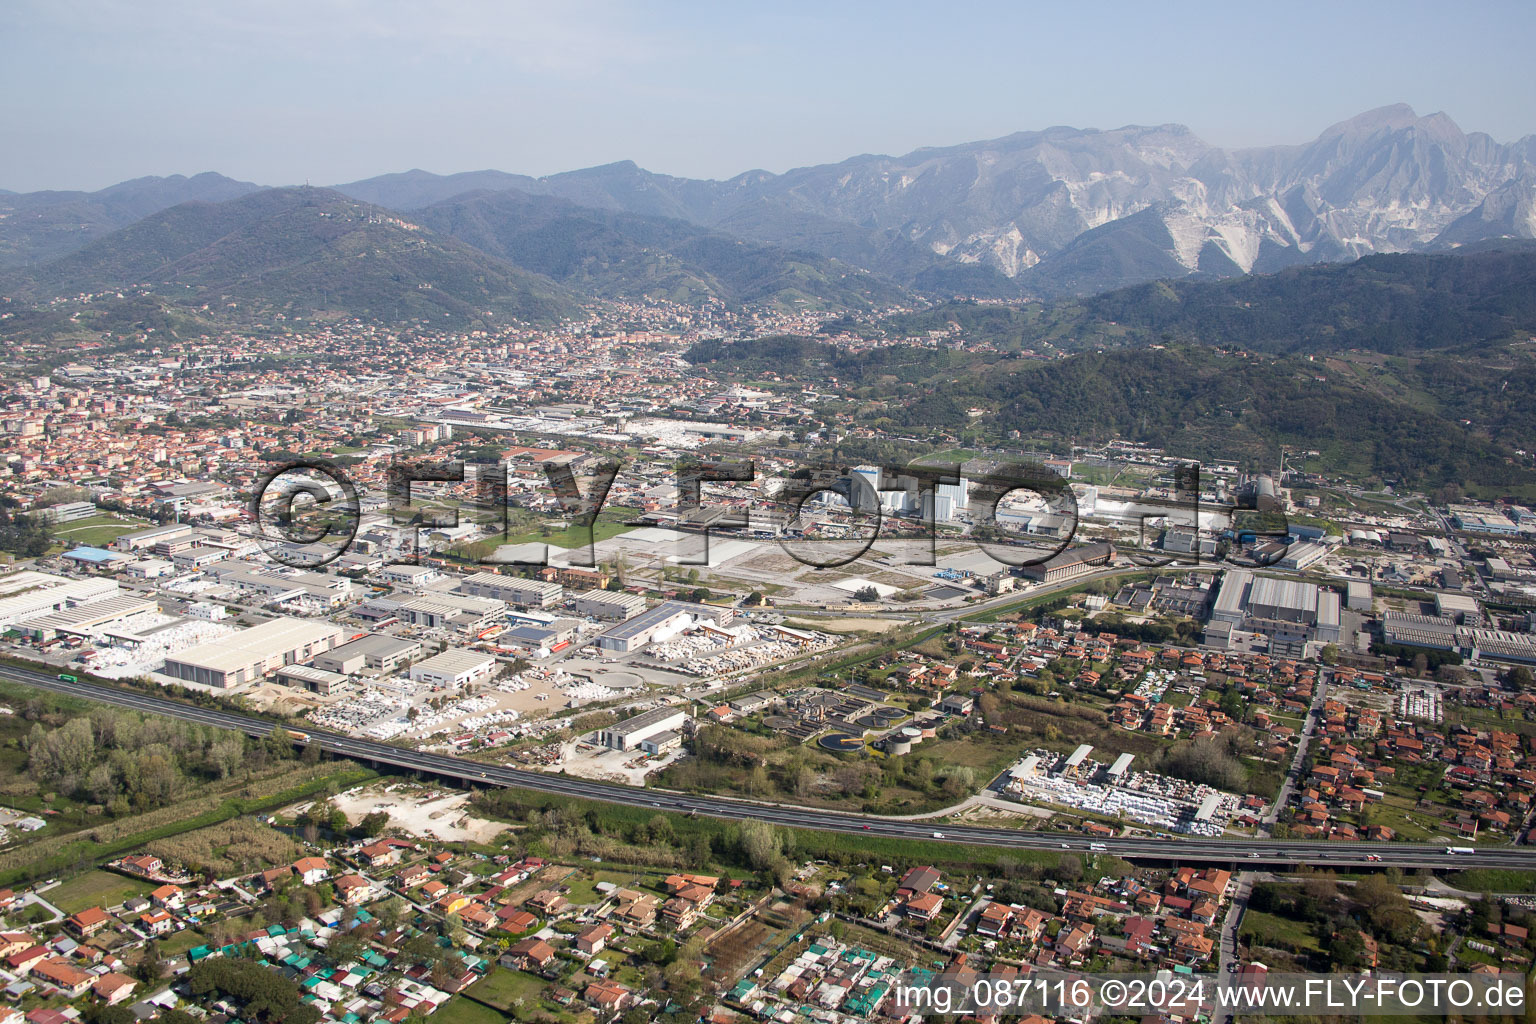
68	678
1453	850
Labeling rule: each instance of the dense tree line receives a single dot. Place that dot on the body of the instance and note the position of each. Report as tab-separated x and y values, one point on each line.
1338	918
130	763
22	535
263	994
1421	658
1210	760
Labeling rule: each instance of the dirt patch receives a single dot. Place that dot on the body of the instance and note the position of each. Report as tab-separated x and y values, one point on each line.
847	625
1026	817
429	813
774	561
274	697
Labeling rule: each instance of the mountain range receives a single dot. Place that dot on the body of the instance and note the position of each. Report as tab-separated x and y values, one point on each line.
1068	211
1050	213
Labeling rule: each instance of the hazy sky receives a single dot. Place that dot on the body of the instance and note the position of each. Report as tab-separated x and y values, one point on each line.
280	91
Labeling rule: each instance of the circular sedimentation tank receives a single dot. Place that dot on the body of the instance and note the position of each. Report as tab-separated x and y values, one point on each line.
841	742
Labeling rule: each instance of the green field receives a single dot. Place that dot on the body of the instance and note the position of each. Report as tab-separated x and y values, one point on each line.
96	531
583	890
1408	824
1490	719
178	943
1261	929
1493	880
460	1010
574	536
610	523
95	889
506	988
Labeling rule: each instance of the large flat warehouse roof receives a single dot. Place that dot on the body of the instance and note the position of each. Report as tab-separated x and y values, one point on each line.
235	652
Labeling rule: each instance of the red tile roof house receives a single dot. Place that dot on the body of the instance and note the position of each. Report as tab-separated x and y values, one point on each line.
313	870
113	988
924	906
1195	948
995	919
22	961
700	896
479	916
514	920
383	852
592	940
609	996
143	864
353	889
158	923
1075	942
680	912
167	896
1138	935
547	901
88	922
414	875
1030	924
531	954
15	942
63	975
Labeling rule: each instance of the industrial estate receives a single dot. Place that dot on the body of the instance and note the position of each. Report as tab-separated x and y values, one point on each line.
617	597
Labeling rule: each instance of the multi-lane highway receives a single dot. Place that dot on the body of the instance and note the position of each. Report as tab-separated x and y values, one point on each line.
1287	853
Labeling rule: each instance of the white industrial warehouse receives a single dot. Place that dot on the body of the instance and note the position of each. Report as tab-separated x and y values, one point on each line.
654	732
250	654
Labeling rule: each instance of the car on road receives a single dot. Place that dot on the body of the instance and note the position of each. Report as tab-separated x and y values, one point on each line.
1253	856
864	827
1373	856
1066	846
938	835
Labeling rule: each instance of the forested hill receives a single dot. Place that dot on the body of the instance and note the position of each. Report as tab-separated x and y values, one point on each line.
1464	300
295	249
1390	303
1391	420
611	254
